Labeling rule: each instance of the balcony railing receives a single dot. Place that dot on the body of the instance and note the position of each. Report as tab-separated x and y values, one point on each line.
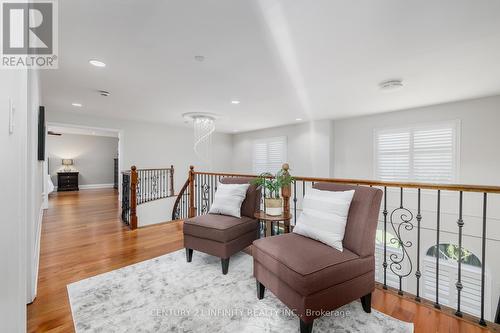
140	186
417	221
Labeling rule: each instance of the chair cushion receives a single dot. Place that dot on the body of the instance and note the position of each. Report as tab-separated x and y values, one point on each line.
228	199
306	265
251	204
324	216
220	228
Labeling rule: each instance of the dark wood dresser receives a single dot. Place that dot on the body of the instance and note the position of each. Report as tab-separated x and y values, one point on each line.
67	181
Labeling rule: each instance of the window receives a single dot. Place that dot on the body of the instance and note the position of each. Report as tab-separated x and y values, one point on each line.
269	154
448	276
422	153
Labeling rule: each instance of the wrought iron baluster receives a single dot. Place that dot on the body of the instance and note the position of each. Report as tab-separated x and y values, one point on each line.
197	193
141	185
460	224
396	267
303	188
385	238
436	303
483	258
418	274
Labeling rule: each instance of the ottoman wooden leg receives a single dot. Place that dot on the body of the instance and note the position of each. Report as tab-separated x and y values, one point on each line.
306	327
225	265
366	302
260	290
189	254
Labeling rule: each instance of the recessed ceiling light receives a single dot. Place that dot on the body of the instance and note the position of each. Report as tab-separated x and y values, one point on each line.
235	130
298	119
78	105
391	85
97	63
235	102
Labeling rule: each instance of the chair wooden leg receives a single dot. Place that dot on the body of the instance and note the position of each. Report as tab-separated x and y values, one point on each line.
366	302
260	290
306	327
225	265
189	254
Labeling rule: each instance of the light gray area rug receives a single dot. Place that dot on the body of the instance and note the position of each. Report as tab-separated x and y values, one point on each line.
167	294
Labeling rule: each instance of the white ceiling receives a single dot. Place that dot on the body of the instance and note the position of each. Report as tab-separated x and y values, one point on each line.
282	59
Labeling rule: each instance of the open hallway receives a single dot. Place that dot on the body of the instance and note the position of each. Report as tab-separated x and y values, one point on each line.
83	236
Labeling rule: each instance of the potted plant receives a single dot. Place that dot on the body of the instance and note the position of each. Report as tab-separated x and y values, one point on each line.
272	185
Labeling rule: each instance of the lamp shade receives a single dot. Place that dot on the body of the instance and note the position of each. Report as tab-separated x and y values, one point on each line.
67	162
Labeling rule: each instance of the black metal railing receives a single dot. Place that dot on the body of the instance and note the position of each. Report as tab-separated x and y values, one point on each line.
415	220
126	197
140	186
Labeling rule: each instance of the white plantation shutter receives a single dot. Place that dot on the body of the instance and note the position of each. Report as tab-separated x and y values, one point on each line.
393	155
448	276
422	153
269	154
434	154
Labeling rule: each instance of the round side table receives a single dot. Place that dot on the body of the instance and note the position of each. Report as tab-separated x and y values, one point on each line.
269	221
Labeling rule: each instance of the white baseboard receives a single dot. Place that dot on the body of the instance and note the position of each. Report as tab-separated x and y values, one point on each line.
36	258
91	186
95	186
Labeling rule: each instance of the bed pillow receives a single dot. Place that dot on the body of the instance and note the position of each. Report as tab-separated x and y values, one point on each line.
228	199
324	216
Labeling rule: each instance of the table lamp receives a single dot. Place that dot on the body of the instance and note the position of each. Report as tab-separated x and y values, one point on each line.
67	163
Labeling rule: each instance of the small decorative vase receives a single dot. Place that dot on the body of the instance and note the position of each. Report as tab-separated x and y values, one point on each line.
274	206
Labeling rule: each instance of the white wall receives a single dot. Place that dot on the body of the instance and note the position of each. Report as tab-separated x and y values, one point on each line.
153	145
93	157
480	158
309	147
35	185
13	86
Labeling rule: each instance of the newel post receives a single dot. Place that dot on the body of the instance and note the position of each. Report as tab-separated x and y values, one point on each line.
133	197
171	189
286	192
192	208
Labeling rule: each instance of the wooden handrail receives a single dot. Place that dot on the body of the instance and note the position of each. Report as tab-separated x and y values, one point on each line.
367	182
178	199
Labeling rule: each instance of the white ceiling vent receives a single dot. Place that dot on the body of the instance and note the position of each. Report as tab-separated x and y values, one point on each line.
391	85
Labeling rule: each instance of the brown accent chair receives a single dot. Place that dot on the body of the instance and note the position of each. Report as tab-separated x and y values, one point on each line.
309	276
222	235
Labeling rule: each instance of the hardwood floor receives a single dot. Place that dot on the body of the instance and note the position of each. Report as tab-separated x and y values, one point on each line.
82	236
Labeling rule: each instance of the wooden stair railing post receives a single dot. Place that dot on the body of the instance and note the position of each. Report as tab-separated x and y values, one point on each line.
192	208
171	189
286	192
133	197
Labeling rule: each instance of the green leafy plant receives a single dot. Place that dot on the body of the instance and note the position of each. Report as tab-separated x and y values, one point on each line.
273	183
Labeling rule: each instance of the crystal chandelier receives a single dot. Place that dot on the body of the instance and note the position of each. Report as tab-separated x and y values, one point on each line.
204	127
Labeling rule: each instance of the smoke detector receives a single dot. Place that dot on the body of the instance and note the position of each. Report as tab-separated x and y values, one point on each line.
391	85
104	93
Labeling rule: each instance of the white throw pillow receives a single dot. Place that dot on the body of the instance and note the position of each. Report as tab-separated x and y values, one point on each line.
228	199
324	216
